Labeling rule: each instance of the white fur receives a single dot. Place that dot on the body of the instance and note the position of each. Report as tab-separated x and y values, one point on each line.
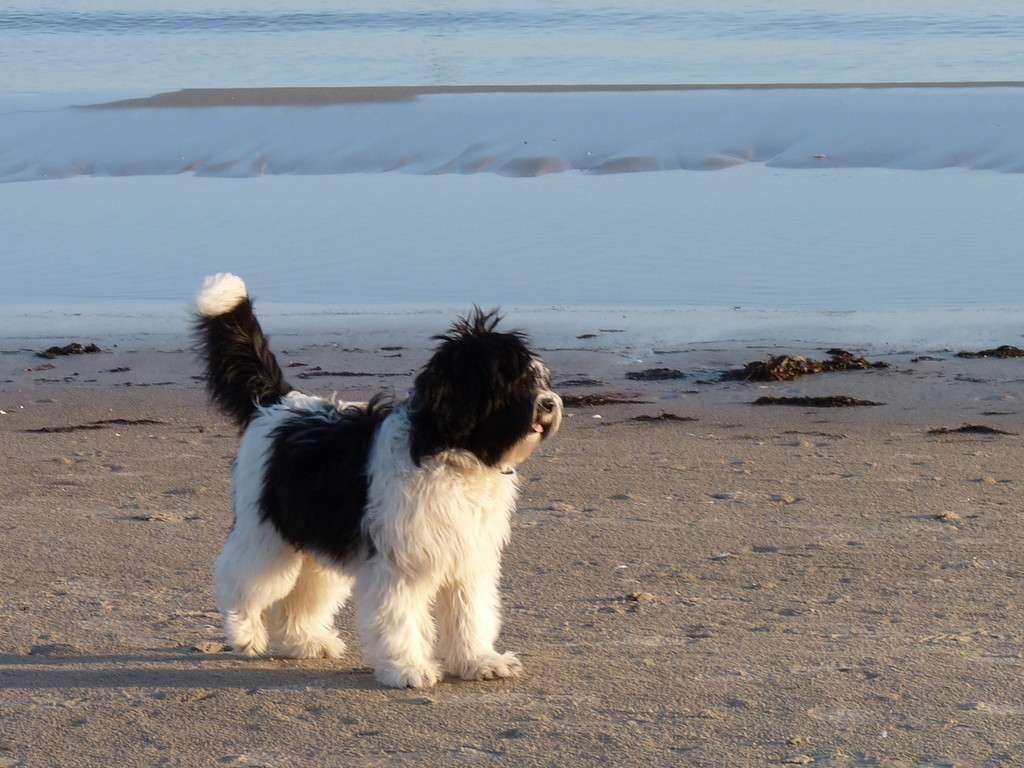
427	602
221	293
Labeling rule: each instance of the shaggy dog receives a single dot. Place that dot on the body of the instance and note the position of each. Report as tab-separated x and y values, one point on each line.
407	504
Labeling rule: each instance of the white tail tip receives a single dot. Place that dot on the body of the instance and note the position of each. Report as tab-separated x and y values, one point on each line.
221	293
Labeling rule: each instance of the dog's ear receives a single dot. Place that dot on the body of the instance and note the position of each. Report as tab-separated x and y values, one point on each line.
456	390
474	373
439	419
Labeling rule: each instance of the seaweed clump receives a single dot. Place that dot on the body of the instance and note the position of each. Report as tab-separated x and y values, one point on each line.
789	367
1006	350
830	401
969	429
588	401
663	416
71	349
655	374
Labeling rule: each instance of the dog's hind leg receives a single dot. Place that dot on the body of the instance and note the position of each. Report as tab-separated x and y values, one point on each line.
303	622
248	579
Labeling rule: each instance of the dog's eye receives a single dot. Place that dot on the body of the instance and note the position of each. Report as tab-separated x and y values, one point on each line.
548	404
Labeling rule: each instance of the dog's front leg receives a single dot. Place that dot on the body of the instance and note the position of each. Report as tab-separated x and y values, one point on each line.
394	614
469	615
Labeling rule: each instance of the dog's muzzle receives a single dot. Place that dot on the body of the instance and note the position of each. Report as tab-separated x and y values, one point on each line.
548	414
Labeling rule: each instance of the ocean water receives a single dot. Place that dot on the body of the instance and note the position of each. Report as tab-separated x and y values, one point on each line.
840	206
96	45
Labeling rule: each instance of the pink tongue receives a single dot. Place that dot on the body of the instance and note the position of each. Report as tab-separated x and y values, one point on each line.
538	428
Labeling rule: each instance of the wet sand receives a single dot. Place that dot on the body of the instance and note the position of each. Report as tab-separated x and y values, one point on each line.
297	97
743	586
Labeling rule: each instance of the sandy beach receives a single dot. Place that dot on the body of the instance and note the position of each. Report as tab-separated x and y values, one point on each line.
738	586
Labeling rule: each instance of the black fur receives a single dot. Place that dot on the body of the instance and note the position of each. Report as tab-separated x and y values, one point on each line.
476	393
315	484
241	371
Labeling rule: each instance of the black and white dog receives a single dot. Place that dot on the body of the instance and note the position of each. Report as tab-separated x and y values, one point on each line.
408	504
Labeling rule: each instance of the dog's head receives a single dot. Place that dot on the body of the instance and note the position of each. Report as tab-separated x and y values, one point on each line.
485	392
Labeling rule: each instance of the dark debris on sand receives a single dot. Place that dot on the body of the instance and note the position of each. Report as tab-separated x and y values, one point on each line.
969	429
70	349
655	374
1004	351
789	367
317	372
831	401
101	424
663	417
587	401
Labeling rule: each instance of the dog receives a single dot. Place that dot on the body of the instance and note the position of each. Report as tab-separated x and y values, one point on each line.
407	504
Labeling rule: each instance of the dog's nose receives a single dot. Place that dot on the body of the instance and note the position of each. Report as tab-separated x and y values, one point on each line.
548	404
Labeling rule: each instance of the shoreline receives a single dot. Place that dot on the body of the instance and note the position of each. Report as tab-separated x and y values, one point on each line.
627	331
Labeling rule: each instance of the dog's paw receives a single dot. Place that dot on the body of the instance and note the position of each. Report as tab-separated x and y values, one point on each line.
490	667
332	647
251	644
319	647
252	647
407	676
245	633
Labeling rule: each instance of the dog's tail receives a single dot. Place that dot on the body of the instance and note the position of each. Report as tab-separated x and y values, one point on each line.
241	372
